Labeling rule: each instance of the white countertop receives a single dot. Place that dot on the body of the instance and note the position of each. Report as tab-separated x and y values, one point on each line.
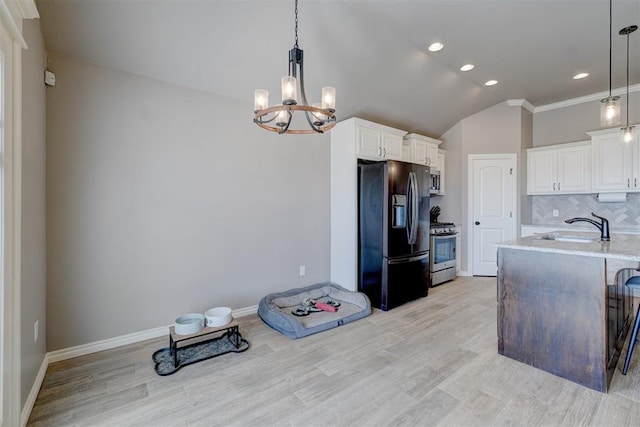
621	246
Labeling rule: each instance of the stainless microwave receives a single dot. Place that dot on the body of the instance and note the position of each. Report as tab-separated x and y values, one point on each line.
435	182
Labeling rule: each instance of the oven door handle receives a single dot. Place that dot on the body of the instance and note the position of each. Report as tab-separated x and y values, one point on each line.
443	236
408	259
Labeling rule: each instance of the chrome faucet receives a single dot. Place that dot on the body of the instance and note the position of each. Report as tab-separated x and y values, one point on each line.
603	225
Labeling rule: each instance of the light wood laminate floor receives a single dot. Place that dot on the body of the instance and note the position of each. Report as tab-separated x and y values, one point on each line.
429	362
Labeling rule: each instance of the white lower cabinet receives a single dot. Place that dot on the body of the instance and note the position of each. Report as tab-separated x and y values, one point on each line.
559	169
616	163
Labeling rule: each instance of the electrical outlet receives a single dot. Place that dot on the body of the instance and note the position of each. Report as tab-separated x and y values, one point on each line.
555	212
36	327
303	270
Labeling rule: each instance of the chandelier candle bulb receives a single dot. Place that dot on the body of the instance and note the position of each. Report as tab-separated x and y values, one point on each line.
282	117
289	92
261	100
329	98
318	118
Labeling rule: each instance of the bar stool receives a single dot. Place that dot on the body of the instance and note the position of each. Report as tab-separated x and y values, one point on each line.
632	283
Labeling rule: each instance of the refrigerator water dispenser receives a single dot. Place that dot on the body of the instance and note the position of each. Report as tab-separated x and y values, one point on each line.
399	219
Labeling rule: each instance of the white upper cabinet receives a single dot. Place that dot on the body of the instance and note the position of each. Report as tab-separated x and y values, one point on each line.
424	150
559	169
378	142
616	164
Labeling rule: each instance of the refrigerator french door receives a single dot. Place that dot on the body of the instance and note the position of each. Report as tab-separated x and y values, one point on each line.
393	232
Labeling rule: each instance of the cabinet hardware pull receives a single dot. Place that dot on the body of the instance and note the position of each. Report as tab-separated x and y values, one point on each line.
558	186
554	186
379	152
628	183
385	151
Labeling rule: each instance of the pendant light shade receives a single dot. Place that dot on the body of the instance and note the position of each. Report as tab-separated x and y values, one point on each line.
610	111
610	106
628	132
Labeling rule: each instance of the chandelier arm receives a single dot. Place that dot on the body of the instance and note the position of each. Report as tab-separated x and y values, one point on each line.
301	67
289	117
312	124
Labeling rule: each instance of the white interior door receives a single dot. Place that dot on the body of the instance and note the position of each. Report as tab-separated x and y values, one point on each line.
492	210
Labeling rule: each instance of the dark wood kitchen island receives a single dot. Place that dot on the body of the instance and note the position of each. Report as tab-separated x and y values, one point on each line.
562	303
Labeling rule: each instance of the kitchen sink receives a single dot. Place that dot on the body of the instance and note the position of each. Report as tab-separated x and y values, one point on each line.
567	238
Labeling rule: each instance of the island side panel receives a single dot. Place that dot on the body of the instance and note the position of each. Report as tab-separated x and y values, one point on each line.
551	313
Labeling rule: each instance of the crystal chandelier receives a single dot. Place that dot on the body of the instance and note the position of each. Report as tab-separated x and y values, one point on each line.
320	116
610	106
628	132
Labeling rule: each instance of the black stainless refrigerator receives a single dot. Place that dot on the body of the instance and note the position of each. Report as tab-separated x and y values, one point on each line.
393	232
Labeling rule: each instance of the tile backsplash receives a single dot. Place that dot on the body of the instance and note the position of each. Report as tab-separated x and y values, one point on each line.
624	215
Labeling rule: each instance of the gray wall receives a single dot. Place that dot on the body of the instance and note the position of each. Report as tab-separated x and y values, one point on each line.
34	257
526	140
497	130
571	123
163	201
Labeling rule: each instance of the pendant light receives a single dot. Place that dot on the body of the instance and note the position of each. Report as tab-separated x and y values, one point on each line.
628	132
320	116
610	106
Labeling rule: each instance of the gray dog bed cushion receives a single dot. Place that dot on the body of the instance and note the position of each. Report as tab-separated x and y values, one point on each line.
275	309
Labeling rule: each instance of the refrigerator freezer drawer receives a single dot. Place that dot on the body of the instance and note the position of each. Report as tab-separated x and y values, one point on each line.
405	281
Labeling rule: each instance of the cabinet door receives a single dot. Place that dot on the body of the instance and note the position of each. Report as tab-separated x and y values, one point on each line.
369	144
612	163
574	169
432	155
542	171
420	154
635	183
391	146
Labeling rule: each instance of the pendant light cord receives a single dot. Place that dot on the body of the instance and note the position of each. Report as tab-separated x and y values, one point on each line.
627	80
610	40
296	44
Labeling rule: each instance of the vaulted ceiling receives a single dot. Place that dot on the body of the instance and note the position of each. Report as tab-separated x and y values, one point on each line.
373	52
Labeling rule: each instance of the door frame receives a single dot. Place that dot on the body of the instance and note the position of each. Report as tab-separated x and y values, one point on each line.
513	157
11	15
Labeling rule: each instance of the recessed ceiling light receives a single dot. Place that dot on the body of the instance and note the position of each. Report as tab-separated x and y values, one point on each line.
436	47
491	83
467	67
580	76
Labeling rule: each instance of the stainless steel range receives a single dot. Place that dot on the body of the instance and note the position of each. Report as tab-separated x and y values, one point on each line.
443	252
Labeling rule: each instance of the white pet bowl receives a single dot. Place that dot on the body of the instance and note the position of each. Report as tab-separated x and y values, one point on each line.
218	316
189	324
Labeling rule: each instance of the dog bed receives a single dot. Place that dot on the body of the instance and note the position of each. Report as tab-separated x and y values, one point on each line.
276	309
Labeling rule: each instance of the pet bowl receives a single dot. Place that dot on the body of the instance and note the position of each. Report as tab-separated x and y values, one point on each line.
218	316
189	324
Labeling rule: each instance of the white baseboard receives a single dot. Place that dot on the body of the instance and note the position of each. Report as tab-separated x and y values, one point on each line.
464	274
35	389
84	349
245	311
